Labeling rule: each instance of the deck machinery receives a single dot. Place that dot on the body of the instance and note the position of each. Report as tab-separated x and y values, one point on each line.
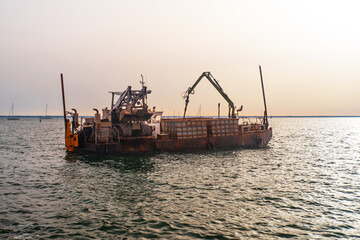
129	113
123	128
129	126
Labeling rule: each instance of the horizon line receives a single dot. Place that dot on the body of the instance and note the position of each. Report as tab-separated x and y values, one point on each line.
250	116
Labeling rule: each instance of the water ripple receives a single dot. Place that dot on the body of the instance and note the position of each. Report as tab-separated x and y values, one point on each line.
304	185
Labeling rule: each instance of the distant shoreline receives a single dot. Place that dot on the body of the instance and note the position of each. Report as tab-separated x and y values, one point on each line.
334	116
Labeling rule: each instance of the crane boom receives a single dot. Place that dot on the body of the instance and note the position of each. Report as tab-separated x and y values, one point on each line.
216	85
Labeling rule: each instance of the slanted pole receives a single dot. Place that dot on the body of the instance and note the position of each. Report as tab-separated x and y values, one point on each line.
63	98
263	91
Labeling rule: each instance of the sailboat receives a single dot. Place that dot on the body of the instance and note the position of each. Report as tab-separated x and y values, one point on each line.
46	116
11	117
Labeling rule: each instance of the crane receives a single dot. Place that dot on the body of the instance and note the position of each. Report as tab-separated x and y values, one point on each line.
217	86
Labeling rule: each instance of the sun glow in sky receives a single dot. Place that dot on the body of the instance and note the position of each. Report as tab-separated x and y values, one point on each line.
309	52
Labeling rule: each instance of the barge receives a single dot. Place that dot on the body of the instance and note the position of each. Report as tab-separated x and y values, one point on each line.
130	126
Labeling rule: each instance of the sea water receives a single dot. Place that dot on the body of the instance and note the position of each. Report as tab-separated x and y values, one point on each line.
305	185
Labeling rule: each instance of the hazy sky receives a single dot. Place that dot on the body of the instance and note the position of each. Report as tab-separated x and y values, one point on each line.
309	52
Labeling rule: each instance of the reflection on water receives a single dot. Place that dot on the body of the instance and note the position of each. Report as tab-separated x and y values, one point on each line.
304	185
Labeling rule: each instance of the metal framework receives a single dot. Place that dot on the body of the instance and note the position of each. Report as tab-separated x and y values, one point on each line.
136	100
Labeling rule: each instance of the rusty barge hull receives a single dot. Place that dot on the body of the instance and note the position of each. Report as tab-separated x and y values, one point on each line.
150	144
248	140
188	135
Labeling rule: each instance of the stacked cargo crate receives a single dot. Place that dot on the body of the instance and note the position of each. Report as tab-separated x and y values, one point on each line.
187	128
224	127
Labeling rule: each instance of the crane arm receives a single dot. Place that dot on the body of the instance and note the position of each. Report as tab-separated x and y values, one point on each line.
219	89
216	85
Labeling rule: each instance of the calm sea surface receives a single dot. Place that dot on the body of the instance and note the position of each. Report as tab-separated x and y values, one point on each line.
305	185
